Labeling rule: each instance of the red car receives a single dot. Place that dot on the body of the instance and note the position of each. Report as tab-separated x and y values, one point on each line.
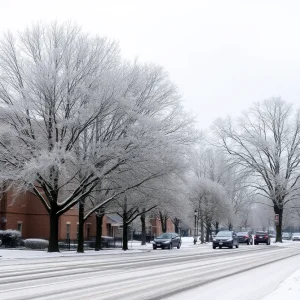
262	237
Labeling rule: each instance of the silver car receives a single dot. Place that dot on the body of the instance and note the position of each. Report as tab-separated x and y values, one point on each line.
296	236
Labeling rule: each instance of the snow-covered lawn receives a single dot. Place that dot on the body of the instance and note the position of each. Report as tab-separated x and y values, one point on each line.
134	246
289	289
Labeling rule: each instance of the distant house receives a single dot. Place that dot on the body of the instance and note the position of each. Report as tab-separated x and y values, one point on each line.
113	224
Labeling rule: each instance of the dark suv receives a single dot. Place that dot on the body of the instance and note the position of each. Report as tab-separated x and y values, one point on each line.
225	239
262	237
245	237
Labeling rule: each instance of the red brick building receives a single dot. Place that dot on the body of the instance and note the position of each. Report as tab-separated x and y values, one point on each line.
155	227
27	214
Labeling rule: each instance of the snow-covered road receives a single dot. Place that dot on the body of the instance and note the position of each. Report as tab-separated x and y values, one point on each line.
199	272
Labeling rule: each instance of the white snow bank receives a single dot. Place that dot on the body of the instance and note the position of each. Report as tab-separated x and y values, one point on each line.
288	289
33	254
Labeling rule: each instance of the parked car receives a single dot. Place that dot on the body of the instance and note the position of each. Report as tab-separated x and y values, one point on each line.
245	237
296	236
167	240
226	239
286	236
262	237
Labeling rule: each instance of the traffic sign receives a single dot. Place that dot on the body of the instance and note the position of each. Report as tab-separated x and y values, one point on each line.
277	219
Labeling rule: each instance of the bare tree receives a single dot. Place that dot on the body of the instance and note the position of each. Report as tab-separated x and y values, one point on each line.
265	143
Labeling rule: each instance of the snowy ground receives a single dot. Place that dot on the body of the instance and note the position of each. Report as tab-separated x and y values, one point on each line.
192	272
134	246
288	289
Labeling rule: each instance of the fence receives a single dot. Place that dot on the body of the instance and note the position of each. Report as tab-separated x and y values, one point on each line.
107	242
138	237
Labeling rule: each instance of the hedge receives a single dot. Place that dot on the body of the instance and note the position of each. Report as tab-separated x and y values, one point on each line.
10	238
36	244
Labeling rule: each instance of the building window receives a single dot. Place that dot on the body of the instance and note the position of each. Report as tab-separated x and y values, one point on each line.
20	226
88	231
68	231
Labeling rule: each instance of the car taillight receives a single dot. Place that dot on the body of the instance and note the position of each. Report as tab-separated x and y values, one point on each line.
266	236
245	237
256	236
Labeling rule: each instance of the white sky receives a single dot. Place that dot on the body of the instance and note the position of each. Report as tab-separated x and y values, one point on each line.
223	55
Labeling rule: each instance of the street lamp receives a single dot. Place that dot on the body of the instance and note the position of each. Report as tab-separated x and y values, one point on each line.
195	238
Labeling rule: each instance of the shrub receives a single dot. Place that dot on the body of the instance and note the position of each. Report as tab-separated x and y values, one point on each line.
36	244
10	238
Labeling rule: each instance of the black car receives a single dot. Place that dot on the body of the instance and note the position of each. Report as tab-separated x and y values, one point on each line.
262	237
226	239
245	237
167	240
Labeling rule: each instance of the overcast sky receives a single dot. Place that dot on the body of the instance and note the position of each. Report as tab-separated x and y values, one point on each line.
223	55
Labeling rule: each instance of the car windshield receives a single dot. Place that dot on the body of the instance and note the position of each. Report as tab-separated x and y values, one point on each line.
165	236
296	233
285	234
224	233
242	233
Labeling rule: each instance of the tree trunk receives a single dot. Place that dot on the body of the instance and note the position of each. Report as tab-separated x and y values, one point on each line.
217	227
176	223
143	220
202	228
278	211
125	236
163	222
125	226
80	241
53	236
207	233
164	229
99	221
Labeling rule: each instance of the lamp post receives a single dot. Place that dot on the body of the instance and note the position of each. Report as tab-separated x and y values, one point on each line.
195	238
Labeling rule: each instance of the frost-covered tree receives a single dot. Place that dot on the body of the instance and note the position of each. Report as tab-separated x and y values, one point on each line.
211	201
217	182
74	115
265	143
55	81
148	134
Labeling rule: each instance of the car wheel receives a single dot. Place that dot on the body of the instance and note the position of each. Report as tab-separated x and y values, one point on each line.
220	247
170	246
237	245
178	246
214	247
154	247
231	246
248	243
